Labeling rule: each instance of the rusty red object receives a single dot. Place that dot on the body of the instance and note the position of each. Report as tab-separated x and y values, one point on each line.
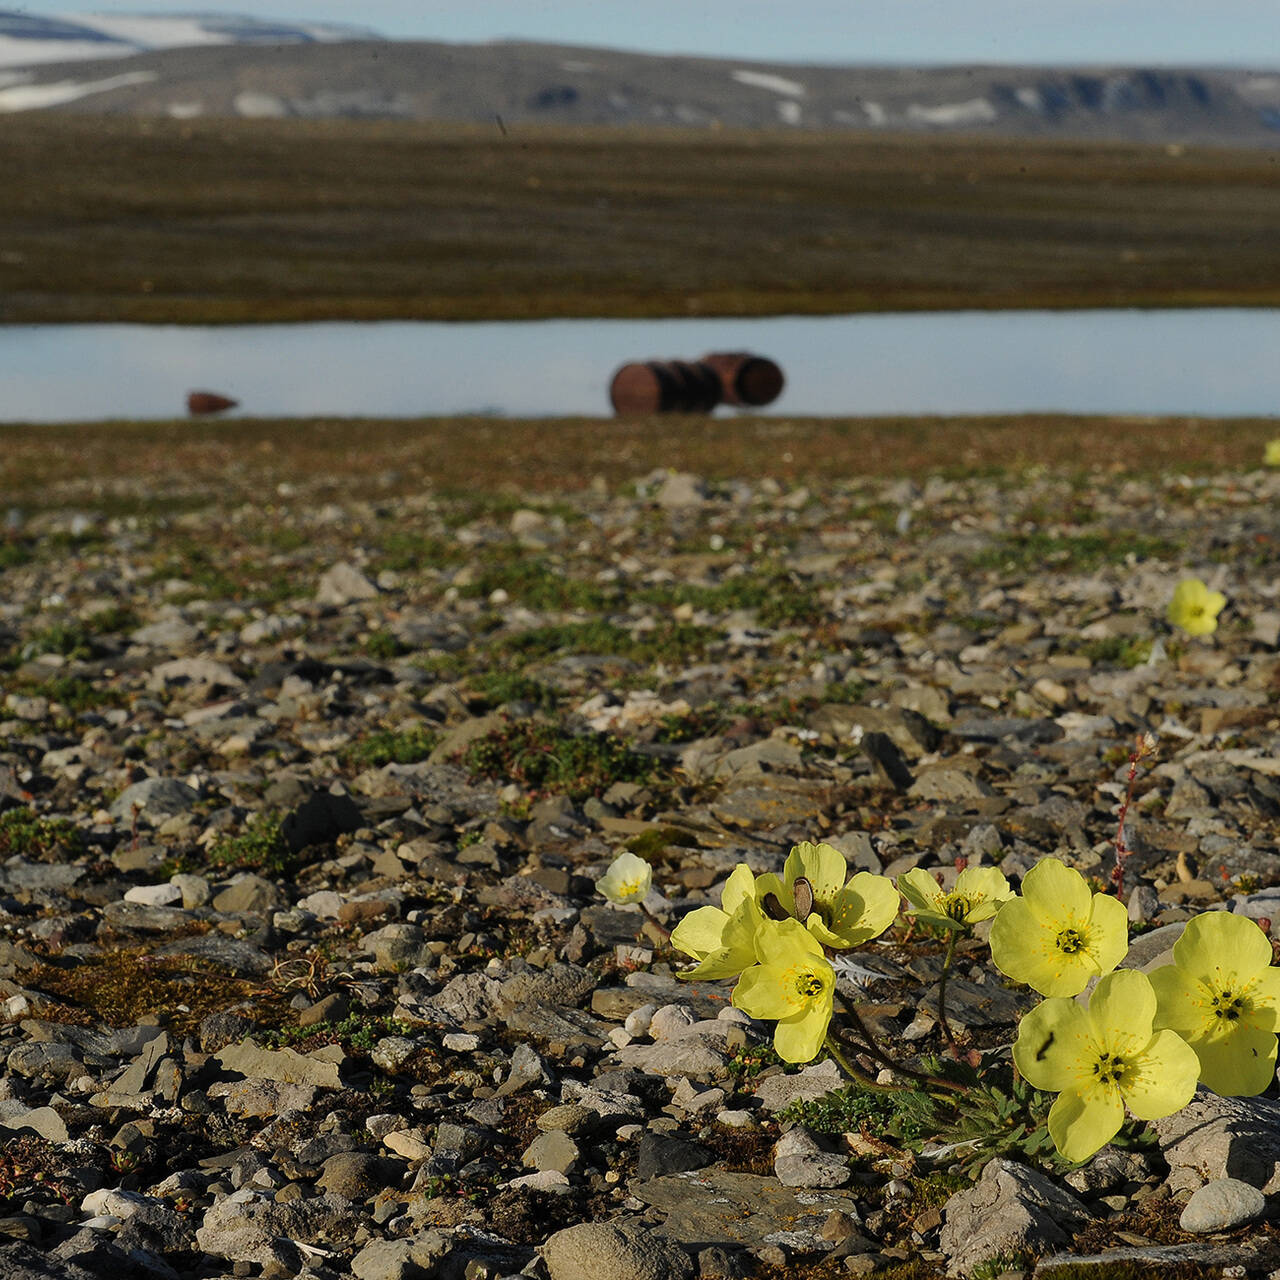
747	381
202	402
664	386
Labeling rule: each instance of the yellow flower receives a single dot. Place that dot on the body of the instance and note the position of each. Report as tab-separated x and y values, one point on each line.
794	984
628	879
1271	457
977	893
812	889
1222	995
1100	1059
1195	608
722	939
1059	934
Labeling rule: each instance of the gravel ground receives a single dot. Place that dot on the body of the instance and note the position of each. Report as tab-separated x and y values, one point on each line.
303	797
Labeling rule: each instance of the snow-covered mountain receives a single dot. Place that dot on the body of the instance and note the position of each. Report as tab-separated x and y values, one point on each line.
27	40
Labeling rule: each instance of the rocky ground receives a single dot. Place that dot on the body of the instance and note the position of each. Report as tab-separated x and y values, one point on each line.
302	801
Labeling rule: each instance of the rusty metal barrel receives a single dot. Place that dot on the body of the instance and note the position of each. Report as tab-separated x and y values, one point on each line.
747	381
202	402
664	386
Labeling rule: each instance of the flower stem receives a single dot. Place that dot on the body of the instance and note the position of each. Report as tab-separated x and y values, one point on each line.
657	924
872	1046
952	935
1146	746
854	1073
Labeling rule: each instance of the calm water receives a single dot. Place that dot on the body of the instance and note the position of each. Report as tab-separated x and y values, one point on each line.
1212	362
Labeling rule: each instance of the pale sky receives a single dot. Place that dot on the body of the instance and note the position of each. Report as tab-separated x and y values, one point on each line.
1157	32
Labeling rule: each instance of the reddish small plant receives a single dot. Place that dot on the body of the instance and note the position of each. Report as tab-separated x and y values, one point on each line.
1146	746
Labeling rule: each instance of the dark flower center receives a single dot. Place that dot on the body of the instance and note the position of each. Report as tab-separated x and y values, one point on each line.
809	985
1109	1068
1070	941
1226	1006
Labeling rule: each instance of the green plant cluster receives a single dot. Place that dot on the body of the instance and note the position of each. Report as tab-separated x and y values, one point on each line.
24	834
541	756
260	846
390	746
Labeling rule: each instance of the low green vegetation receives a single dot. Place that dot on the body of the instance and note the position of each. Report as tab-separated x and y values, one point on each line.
542	757
776	597
356	1033
391	746
494	688
259	847
667	642
24	834
1077	552
537	584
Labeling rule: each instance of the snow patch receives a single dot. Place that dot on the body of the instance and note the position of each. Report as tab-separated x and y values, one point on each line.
789	111
34	97
260	106
975	111
763	80
26	41
26	52
1030	98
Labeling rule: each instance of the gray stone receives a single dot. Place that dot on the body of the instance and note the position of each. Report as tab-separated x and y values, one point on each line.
53	1061
392	1052
17	1117
714	1206
561	984
1010	1209
1253	1257
942	784
285	1066
689	1056
600	1251
799	1161
395	947
1221	1205
172	634
235	956
357	1175
779	1092
470	997
153	799
252	1226
527	1068
248	894
205	673
555	1150
660	1154
681	489
1150	950
1214	1137
250	1098
345	584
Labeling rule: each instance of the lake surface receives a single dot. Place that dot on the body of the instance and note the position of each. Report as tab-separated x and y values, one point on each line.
1212	362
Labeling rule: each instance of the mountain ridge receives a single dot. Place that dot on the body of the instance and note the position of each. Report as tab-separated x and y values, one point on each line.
316	71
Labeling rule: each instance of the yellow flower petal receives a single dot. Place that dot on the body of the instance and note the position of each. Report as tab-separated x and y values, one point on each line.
1082	1121
823	866
1055	1048
1240	1064
1162	1078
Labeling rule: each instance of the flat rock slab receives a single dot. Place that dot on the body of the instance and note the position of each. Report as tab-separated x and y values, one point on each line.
1213	1137
285	1066
1256	1256
714	1206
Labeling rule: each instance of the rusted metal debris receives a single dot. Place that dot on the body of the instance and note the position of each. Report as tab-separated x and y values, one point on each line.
697	386
202	402
746	380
